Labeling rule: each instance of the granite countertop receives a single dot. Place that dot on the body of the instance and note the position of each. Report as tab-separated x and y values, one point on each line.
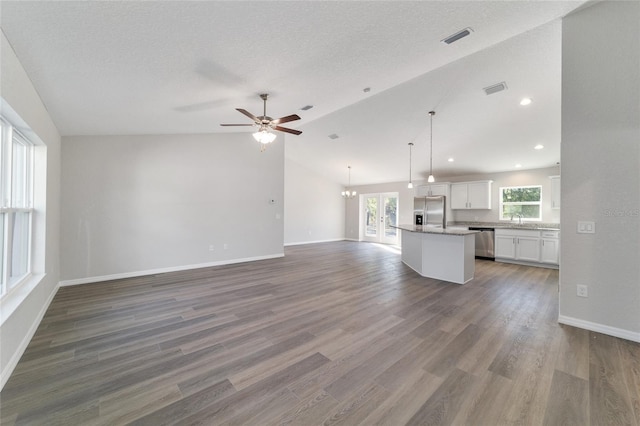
506	225
430	230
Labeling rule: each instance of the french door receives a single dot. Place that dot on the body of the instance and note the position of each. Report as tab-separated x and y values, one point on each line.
379	214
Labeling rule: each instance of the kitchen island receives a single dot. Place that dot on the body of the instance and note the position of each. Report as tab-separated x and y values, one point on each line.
443	254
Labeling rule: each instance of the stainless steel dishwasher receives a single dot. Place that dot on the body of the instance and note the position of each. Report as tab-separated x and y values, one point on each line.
485	242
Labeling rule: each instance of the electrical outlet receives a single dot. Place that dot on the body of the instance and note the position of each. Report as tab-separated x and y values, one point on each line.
211	247
583	291
226	246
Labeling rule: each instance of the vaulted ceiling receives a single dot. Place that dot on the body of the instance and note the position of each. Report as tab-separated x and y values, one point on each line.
109	68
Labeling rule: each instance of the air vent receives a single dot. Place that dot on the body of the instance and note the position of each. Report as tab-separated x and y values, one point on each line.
495	88
333	136
306	108
457	36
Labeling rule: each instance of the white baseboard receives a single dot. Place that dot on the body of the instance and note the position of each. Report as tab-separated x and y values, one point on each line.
600	328
313	242
525	263
13	362
352	239
135	274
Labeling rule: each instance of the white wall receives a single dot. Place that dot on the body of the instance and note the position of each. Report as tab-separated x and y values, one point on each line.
313	206
135	204
514	178
405	205
23	307
601	168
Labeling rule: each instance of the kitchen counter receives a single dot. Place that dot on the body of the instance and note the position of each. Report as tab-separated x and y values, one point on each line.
538	226
442	254
431	230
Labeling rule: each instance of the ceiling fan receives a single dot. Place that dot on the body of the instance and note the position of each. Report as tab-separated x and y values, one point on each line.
266	123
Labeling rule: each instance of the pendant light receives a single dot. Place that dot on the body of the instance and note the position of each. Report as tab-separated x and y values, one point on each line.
431	178
347	193
410	185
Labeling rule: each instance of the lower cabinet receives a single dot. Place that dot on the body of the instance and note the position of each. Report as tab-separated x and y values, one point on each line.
530	246
505	246
518	245
550	247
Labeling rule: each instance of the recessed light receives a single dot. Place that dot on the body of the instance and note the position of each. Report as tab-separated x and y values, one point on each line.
525	101
538	146
517	166
450	159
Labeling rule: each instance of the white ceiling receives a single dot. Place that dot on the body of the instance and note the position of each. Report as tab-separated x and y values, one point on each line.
109	68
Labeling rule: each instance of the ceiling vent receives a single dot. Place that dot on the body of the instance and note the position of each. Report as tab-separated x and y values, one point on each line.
495	88
306	108
457	36
333	136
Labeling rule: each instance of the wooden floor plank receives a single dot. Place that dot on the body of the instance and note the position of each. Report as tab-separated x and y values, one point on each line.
443	405
332	333
608	394
631	366
568	402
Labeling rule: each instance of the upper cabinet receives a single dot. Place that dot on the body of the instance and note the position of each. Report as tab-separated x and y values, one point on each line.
432	189
555	192
471	195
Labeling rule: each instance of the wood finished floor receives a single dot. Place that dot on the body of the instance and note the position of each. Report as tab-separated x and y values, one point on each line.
335	333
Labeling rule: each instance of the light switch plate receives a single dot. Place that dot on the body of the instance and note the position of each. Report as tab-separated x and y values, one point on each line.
586	227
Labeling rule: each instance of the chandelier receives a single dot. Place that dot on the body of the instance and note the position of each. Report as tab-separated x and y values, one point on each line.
347	193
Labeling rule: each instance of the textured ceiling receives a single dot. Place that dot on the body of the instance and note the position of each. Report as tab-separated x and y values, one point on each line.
182	67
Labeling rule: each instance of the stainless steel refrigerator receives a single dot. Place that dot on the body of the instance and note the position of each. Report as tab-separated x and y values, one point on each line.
430	211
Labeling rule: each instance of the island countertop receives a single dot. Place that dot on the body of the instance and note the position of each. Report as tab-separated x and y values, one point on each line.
442	254
431	230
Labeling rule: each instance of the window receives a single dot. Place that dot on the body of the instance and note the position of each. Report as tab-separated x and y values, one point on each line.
16	208
520	202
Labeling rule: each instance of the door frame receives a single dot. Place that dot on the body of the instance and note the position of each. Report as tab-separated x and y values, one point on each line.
380	219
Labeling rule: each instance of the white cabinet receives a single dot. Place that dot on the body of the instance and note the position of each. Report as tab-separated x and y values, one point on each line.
459	196
432	189
550	247
518	244
555	192
505	246
471	195
528	246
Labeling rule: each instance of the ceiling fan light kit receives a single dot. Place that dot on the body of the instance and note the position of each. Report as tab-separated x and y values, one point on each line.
264	136
266	123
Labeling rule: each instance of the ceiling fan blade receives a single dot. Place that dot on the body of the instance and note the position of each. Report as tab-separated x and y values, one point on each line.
286	130
248	114
237	124
286	119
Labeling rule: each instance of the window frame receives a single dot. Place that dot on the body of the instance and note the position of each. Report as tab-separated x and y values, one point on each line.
520	203
11	208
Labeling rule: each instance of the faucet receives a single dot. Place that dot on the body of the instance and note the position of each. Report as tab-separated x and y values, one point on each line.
519	219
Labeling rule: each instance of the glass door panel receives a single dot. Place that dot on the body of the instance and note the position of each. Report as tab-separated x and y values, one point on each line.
371	218
390	235
380	213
